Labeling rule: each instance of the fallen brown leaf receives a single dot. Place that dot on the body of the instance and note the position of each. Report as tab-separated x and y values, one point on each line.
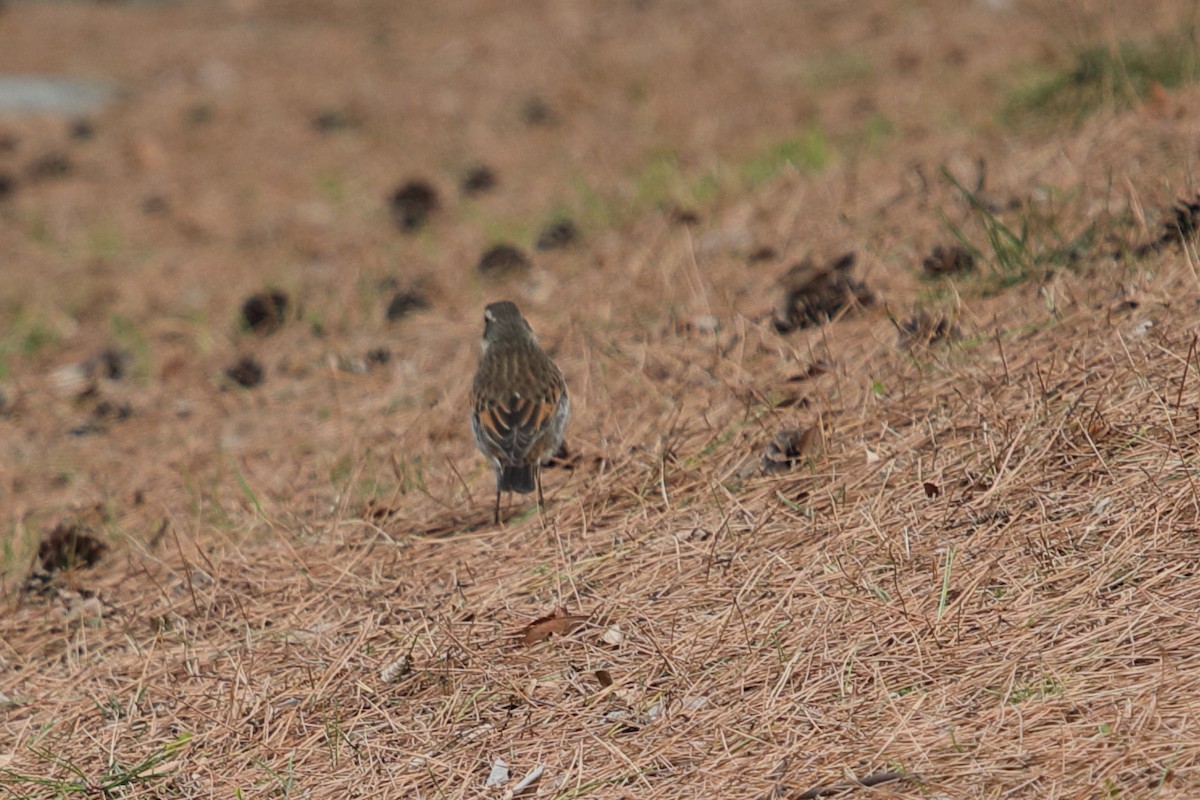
558	624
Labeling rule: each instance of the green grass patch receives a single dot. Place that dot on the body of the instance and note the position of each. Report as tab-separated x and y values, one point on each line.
808	151
1029	247
27	335
838	69
126	333
660	182
113	782
875	133
1103	76
105	242
1047	686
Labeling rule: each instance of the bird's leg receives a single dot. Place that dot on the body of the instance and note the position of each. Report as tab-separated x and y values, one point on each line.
496	515
537	477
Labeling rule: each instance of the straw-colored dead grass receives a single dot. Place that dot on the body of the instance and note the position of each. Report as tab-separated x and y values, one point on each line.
981	583
1028	630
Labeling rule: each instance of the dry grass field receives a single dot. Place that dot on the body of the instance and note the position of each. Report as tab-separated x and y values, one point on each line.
926	526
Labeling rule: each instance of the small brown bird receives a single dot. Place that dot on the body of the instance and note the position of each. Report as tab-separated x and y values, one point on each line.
519	404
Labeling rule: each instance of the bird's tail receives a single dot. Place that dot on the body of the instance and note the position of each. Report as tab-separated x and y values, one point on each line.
516	479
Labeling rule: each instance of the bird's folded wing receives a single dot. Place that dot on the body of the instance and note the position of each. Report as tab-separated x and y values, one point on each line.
513	427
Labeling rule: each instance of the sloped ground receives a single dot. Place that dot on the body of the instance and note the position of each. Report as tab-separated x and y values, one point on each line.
978	580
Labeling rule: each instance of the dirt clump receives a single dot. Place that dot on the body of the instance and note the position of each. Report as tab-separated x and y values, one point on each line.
248	372
1180	228
504	261
404	303
412	204
111	363
537	112
333	120
82	129
682	216
265	312
812	295
762	253
948	260
924	328
557	235
51	166
478	179
68	545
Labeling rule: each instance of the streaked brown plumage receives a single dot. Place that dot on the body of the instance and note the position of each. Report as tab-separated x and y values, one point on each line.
519	403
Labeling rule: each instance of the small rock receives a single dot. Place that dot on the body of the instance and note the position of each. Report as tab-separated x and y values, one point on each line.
404	303
498	775
247	372
478	179
1141	329
264	312
503	261
707	324
613	636
398	669
83	607
71	379
557	235
201	579
412	204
